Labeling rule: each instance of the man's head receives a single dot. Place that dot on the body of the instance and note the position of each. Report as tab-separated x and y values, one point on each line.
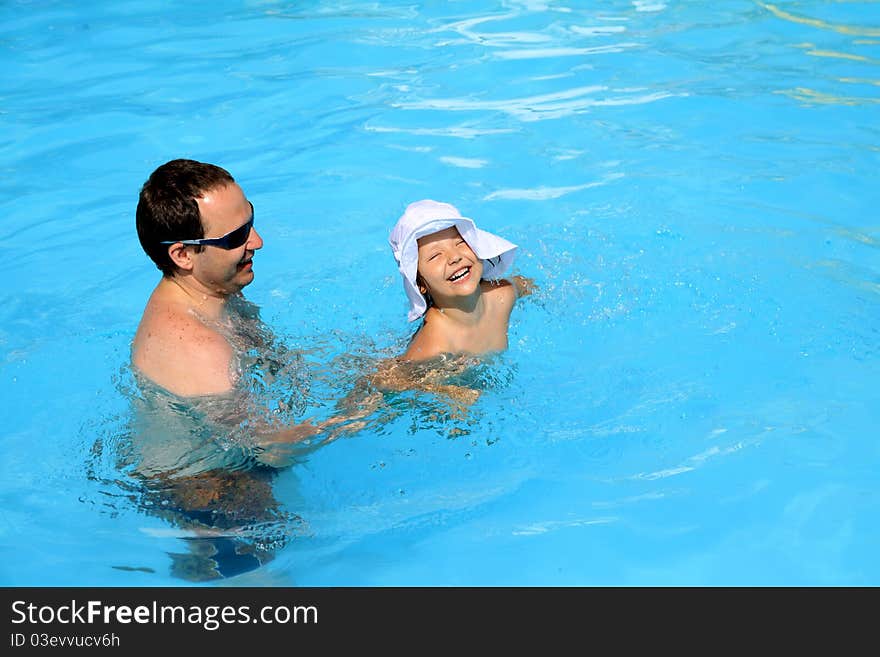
168	206
193	219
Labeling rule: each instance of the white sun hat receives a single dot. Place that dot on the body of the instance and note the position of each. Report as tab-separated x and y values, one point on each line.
427	217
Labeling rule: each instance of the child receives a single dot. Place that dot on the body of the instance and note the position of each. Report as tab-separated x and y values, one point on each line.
452	277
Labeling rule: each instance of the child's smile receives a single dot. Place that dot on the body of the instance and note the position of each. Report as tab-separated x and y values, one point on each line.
447	265
461	275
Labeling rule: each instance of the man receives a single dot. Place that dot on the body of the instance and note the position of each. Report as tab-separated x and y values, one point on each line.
200	468
196	224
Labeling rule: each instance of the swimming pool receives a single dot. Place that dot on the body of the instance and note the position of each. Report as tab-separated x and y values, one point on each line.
690	397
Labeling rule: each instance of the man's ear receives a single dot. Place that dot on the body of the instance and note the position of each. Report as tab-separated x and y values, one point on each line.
181	256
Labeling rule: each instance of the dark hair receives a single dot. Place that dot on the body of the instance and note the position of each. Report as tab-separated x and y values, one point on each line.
429	300
167	207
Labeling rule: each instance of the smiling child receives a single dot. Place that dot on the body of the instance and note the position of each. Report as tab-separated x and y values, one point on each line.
452	274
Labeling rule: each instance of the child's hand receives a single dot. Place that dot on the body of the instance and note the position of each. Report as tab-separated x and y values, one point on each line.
461	398
524	286
460	394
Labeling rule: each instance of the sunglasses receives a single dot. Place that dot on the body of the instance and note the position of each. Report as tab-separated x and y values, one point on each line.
231	240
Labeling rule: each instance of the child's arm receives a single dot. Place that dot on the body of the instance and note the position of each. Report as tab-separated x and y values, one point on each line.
398	375
523	286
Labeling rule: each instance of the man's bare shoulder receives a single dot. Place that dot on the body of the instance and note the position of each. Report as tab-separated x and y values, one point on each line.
177	350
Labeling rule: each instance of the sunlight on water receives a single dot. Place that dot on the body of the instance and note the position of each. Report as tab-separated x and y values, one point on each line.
854	30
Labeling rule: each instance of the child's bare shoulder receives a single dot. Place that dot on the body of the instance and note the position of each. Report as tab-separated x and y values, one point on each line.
496	286
501	289
429	341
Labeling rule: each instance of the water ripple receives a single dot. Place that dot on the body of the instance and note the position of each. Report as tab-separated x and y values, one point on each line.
545	193
541	53
855	30
544	106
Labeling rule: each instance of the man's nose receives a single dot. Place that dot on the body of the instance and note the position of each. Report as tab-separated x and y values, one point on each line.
254	240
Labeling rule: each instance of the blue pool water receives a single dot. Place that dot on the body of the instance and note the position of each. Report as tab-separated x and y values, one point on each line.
690	397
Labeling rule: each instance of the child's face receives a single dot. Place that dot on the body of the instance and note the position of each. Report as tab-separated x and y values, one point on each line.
447	265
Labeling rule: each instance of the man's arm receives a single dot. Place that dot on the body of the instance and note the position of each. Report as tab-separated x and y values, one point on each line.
191	360
182	355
